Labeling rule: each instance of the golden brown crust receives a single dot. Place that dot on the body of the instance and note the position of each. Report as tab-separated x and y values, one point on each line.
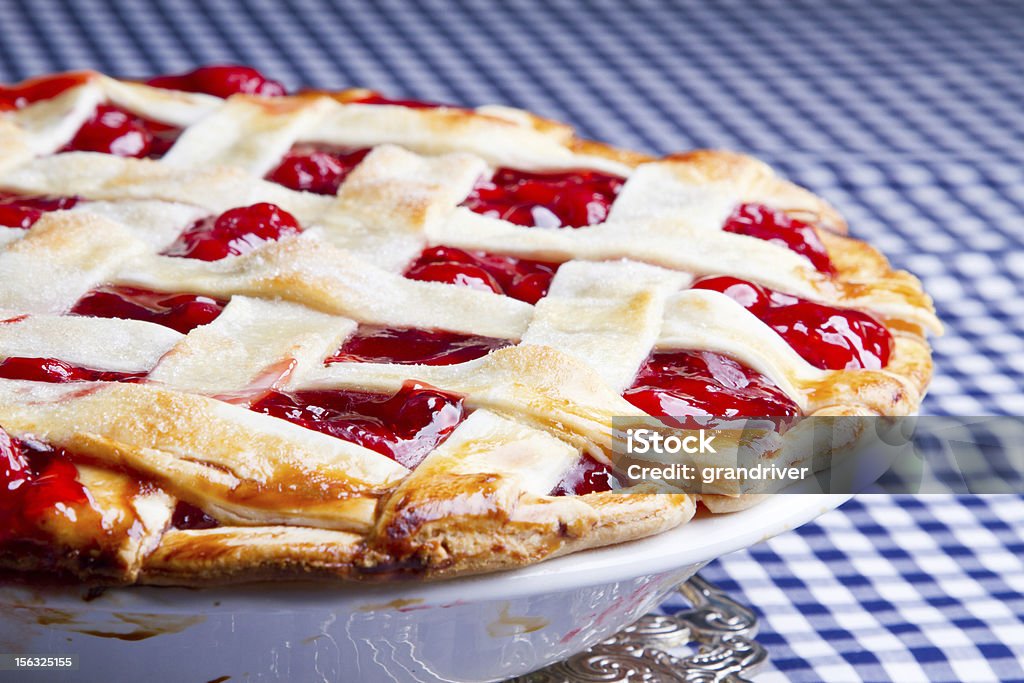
234	554
300	505
244	467
715	166
599	149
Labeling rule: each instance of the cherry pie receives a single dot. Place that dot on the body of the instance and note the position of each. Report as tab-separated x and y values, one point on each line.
249	335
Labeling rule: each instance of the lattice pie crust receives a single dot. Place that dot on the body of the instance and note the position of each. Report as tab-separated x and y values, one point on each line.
295	503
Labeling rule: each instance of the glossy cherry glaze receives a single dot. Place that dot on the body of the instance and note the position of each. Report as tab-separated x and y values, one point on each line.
17	211
222	80
705	384
587	476
37	90
234	232
405	426
826	337
774	226
518	278
189	517
317	168
57	371
373	344
111	130
546	200
35	479
181	312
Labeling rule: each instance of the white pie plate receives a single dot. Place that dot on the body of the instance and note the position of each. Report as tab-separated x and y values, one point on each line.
481	628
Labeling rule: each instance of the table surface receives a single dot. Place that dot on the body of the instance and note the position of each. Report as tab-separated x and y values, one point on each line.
907	116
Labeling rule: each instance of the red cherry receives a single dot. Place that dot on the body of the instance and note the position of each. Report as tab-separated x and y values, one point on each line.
56	483
530	216
425	406
221	81
38	369
528	188
317	172
22	211
548	200
752	297
185	312
15	477
705	384
827	337
112	131
234	232
34	479
583	206
587	476
530	288
317	169
830	338
188	516
406	426
442	253
411	346
115	131
767	224
462	274
37	90
42	203
181	312
518	278
14	469
19	216
57	371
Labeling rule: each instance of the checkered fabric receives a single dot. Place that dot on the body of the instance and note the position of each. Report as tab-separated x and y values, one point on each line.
907	116
898	588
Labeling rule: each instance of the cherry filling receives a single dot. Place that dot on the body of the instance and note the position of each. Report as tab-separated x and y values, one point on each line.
112	130
405	426
317	168
221	80
23	211
187	516
705	384
181	312
234	232
774	226
371	344
587	476
57	371
518	278
37	90
35	479
826	337
546	200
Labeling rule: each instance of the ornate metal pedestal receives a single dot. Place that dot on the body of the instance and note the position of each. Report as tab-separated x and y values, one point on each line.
710	642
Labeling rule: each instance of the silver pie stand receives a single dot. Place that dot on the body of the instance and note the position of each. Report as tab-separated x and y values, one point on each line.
712	641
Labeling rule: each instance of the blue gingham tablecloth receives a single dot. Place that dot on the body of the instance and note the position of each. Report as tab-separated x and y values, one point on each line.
908	116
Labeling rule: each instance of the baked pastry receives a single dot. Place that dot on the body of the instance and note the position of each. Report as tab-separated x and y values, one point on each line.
250	335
